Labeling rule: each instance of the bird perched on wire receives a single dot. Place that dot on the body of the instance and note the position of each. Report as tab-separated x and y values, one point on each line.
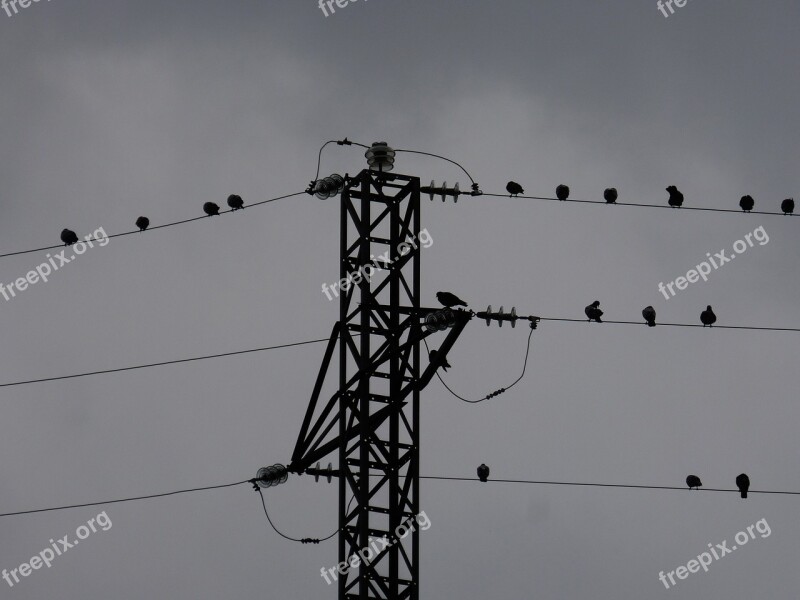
449	300
707	317
433	354
142	223
211	208
649	314
675	197
235	202
562	192
69	237
787	206
610	195
743	483
747	203
693	481
593	311
483	473
513	188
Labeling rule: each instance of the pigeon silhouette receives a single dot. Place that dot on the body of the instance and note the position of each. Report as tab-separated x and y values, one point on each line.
142	223
787	206
447	299
513	188
707	317
610	195
562	192
593	311
649	315
693	481
211	208
433	354
483	473
743	483
69	237
747	203
675	197
235	202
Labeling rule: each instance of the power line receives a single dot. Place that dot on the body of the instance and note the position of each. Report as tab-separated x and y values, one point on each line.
607	485
234	353
130	499
151	228
701	208
431	477
166	362
745	327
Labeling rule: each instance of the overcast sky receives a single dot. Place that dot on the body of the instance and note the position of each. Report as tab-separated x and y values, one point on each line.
116	109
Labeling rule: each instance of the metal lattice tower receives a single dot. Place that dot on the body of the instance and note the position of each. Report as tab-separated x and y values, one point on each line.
373	418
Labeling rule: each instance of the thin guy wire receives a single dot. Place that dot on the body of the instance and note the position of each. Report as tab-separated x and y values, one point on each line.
516	381
442	157
291	539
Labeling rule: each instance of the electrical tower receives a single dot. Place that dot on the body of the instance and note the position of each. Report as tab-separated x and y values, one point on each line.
373	418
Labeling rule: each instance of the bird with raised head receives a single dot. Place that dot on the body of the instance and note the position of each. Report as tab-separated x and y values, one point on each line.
483	473
743	483
675	197
707	317
649	314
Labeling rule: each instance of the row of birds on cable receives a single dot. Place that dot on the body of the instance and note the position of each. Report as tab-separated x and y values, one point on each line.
235	202
742	482
675	200
693	481
593	313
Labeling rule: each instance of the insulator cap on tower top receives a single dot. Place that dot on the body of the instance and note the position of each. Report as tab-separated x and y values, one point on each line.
380	157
